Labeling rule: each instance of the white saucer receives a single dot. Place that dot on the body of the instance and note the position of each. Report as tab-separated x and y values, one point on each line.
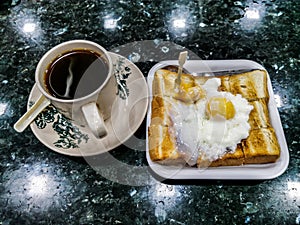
128	112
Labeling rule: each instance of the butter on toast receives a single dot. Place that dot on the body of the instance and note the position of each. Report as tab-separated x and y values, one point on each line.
164	85
261	146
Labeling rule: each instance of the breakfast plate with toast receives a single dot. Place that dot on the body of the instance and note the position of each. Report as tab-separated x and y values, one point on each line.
220	122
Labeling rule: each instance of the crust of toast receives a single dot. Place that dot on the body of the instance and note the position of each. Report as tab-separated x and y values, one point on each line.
161	144
159	114
164	84
251	85
259	116
261	146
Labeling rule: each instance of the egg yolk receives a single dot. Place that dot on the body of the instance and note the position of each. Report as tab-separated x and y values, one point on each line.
185	83
220	106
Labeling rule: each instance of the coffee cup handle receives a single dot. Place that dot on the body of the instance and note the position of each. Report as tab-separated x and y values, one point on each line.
94	119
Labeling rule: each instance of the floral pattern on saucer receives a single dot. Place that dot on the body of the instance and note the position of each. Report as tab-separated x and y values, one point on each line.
69	135
122	72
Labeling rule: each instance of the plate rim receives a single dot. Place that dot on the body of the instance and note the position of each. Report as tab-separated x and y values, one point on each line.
249	172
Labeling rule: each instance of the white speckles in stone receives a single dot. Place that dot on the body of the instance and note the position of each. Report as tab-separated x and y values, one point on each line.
293	62
216	217
24	48
146	13
4	82
250	208
165	49
176	222
157	41
241	197
298	219
160	213
96	182
60	31
179	47
276	14
165	198
238	3
247	219
15	2
279	14
84	200
97	200
276	67
91	6
202	25
184	34
3	108
285	126
132	193
13	156
134	57
87	217
25	70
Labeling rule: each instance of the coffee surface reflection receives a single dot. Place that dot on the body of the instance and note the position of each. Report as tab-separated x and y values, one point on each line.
75	74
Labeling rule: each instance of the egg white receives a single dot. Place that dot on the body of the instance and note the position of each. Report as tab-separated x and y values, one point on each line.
196	134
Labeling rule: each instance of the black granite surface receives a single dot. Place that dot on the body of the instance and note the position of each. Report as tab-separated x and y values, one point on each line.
40	186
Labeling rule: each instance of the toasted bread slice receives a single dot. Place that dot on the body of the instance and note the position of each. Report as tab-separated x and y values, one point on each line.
161	144
261	146
259	116
225	83
165	84
251	85
160	114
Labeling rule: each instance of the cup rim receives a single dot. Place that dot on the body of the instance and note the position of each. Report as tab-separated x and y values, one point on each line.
77	41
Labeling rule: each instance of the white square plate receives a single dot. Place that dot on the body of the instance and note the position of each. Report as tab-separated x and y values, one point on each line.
244	172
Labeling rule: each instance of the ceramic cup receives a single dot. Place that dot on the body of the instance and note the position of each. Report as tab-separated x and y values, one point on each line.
90	109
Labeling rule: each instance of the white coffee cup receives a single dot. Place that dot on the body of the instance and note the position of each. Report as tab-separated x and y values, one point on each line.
90	109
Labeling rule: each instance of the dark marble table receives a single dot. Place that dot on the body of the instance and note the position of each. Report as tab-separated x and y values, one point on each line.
40	186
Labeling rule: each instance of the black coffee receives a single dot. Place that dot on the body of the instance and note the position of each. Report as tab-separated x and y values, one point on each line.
75	74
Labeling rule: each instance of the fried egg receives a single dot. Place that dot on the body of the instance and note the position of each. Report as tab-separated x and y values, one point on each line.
212	126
